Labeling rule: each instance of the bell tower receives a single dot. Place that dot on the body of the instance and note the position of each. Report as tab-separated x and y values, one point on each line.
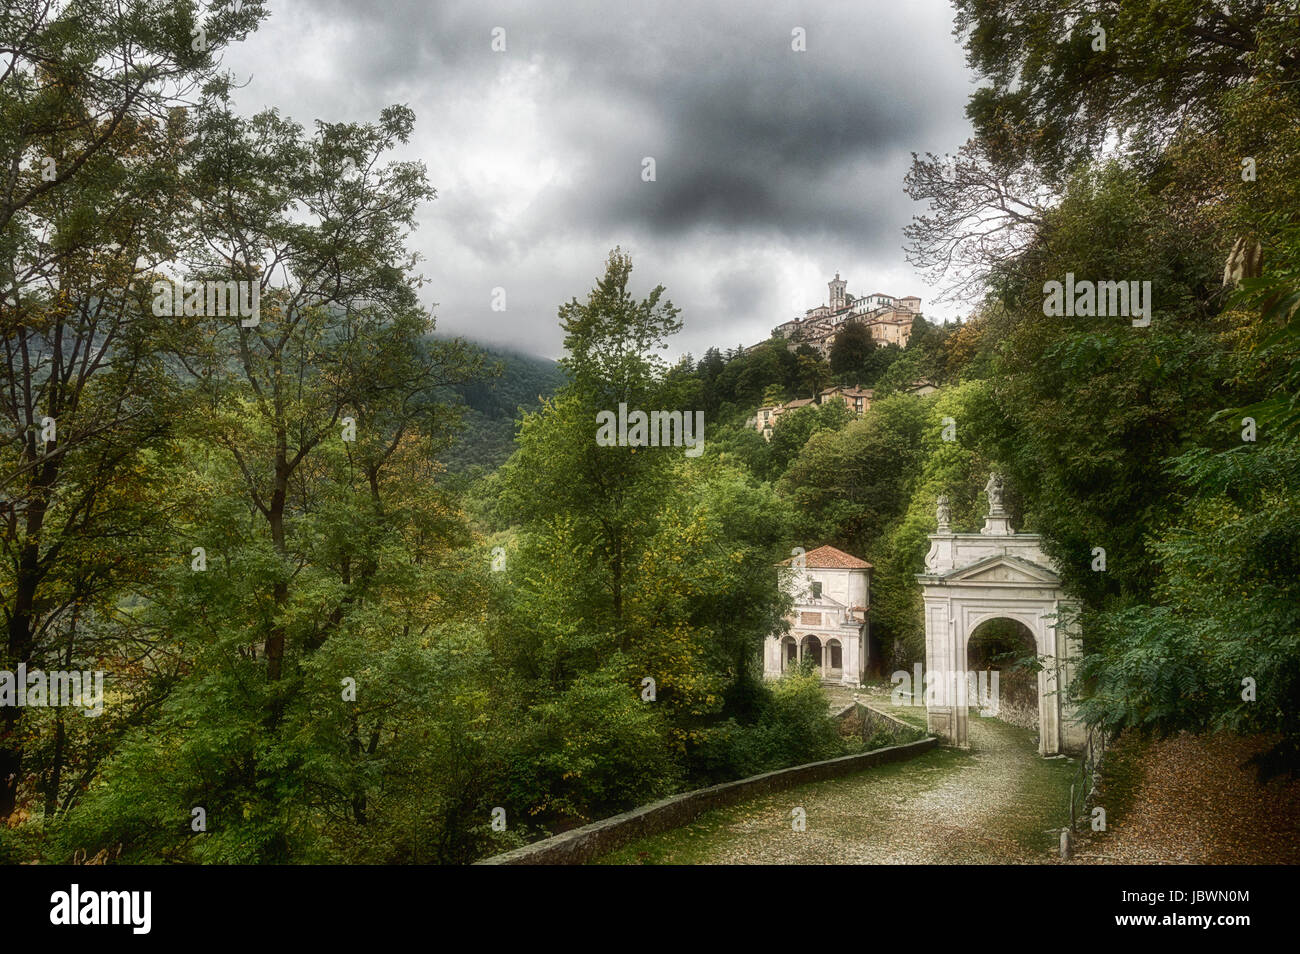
837	287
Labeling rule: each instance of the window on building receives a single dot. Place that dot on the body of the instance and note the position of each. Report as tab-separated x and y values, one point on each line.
816	589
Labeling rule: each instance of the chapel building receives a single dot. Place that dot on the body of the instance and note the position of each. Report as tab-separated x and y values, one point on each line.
829	621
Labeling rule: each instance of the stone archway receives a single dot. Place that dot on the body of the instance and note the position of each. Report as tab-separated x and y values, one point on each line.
997	573
1005	650
834	658
812	649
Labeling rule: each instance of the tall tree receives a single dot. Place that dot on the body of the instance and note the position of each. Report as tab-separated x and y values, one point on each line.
79	71
610	343
814	374
980	212
1064	75
851	352
88	207
338	352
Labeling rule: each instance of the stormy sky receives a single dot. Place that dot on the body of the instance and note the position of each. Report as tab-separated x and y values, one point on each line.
774	168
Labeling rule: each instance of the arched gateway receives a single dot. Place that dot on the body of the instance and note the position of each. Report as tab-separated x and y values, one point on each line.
971	578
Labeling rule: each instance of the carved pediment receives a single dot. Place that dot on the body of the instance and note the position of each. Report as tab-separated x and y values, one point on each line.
1000	568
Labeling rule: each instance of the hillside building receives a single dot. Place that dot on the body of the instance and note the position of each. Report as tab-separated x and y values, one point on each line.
828	623
857	399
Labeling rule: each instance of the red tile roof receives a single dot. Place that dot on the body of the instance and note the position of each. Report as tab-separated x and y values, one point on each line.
829	558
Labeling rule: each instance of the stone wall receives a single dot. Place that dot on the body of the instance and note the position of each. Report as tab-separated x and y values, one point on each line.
598	838
1016	712
874	721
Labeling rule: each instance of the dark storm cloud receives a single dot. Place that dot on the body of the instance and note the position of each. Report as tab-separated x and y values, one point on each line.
755	142
772	166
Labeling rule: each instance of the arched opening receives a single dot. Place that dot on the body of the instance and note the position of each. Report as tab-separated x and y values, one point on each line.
1006	647
812	649
789	654
835	654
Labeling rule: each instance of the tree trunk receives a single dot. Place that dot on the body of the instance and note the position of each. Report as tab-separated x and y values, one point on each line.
280	590
20	643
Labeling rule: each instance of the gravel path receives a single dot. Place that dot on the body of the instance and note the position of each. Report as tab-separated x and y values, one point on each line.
996	803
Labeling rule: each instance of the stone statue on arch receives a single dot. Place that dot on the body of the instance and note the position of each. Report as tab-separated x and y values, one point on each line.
995	488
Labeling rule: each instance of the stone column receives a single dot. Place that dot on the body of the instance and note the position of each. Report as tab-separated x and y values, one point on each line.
1074	734
940	716
1049	700
955	678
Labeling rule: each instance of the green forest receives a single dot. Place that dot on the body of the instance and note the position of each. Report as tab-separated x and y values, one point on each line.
489	405
357	585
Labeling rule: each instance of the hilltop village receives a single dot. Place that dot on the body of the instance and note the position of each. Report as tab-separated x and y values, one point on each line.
887	319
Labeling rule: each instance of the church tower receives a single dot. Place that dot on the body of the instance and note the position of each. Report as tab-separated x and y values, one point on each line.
837	292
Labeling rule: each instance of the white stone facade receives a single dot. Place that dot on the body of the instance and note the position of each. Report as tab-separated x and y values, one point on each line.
828	623
971	578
